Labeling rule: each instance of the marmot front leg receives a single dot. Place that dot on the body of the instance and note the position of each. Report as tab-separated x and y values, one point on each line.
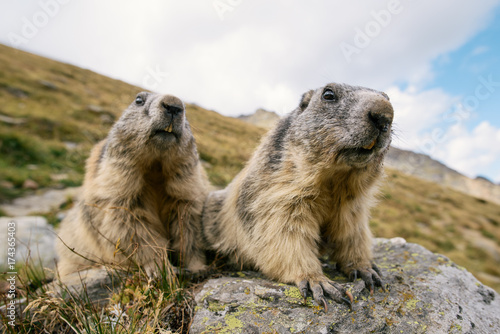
294	259
353	255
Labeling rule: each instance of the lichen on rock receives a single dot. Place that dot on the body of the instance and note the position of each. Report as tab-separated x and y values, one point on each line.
427	293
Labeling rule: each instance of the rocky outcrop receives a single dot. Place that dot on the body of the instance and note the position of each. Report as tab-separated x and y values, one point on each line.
262	118
427	293
34	240
44	201
424	167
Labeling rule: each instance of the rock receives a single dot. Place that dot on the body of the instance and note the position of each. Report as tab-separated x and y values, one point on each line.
427	293
107	119
59	177
70	145
106	116
48	84
6	185
61	215
12	121
262	118
30	184
47	201
99	285
17	92
95	108
33	237
424	167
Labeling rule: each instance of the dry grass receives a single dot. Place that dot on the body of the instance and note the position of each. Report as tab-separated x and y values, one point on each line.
137	303
462	227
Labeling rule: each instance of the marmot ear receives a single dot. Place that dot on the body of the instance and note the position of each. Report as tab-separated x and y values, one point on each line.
306	98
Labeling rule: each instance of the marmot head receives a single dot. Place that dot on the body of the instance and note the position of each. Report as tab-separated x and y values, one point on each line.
343	124
152	124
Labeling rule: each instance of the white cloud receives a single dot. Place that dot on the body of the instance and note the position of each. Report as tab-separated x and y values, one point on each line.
432	122
283	46
480	50
472	152
417	112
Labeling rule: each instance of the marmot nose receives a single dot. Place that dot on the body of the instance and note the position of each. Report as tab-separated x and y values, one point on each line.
380	114
172	106
171	109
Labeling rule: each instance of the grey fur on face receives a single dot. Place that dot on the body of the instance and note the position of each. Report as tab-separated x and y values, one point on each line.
341	127
159	124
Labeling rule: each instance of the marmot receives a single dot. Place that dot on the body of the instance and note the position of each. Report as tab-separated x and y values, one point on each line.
143	193
307	192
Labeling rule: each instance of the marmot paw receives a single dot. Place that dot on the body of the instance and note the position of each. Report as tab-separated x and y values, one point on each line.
371	276
318	287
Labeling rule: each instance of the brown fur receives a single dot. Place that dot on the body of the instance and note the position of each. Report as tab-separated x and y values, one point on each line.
307	191
143	193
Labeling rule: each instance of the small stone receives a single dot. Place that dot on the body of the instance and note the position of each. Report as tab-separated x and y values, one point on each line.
61	215
95	108
30	184
70	145
6	185
17	92
11	120
107	119
48	84
35	238
58	177
398	241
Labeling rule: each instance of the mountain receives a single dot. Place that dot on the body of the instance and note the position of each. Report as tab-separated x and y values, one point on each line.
52	113
262	118
423	166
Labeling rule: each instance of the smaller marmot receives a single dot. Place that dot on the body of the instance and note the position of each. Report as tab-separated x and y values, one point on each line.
307	192
143	193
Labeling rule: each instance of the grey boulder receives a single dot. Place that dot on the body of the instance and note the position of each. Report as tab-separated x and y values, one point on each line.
427	293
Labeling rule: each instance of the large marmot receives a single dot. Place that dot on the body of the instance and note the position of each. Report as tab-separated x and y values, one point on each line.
143	193
307	192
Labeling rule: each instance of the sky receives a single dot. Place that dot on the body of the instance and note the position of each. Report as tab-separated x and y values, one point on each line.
439	61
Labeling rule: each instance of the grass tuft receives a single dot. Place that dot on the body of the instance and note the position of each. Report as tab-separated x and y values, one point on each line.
136	303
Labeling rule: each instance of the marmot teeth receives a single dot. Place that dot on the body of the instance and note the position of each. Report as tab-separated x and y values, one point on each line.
169	128
369	147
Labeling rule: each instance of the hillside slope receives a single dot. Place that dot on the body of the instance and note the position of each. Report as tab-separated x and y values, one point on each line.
52	113
425	167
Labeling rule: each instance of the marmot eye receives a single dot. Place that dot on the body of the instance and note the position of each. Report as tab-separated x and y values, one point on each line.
139	100
329	95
